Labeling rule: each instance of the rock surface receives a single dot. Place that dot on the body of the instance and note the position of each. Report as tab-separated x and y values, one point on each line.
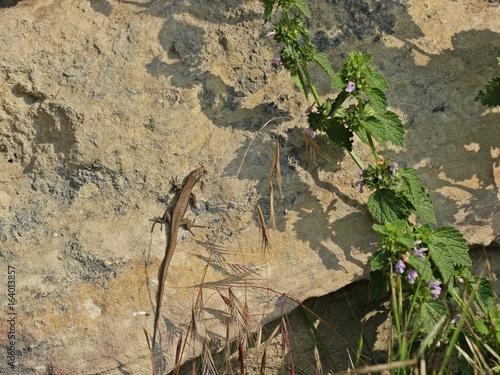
104	102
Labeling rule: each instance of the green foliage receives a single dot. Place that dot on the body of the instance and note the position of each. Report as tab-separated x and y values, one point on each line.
422	267
445	257
322	60
413	191
429	314
398	193
449	252
285	5
490	97
386	206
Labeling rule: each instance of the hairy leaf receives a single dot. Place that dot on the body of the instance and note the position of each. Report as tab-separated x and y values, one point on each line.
301	5
324	63
339	134
385	206
377	80
338	82
268	9
429	314
377	97
393	129
485	296
415	193
379	261
448	250
492	95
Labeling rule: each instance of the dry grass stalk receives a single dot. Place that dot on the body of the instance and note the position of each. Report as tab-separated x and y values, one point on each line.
384	368
286	345
314	148
241	352
197	305
265	240
208	364
151	354
275	170
262	370
272	219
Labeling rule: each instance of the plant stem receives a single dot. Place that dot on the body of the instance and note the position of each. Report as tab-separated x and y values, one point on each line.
356	158
311	85
372	146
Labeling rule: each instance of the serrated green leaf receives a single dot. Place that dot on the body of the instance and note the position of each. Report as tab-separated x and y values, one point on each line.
406	240
393	131
376	81
324	63
301	5
492	95
339	134
393	230
429	314
337	82
386	127
378	261
268	9
485	296
377	97
415	193
379	285
385	206
448	250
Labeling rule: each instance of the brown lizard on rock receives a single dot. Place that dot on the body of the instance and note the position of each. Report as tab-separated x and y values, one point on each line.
175	219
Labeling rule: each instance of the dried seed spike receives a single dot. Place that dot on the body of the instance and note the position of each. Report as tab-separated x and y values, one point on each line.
265	240
208	366
178	350
271	205
241	358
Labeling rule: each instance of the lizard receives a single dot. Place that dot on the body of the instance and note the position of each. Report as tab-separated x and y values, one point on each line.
176	220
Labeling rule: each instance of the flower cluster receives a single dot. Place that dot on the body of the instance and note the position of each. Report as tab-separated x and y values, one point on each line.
382	176
411	273
435	287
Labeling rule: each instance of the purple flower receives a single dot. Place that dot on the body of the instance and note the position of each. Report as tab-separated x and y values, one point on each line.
310	132
360	184
374	244
400	266
460	280
270	34
412	275
276	60
309	109
393	168
351	86
418	242
455	319
420	252
435	288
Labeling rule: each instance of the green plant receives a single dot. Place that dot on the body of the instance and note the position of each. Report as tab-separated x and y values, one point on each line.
491	95
424	271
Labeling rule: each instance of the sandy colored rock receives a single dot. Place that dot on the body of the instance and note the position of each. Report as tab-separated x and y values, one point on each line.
104	102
